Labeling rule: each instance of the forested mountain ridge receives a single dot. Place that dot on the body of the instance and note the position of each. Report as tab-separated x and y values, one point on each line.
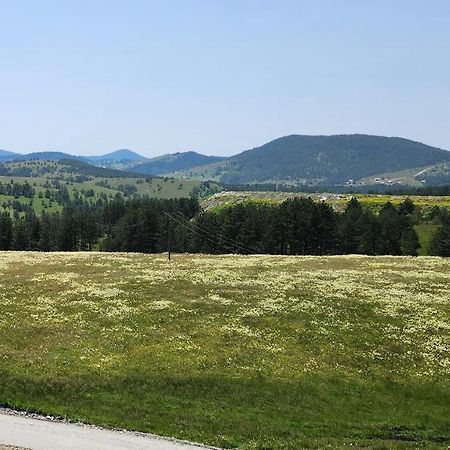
123	159
319	160
118	155
174	162
42	156
293	160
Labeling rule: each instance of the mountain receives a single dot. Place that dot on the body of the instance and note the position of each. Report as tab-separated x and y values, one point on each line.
119	159
6	153
118	155
174	162
323	160
295	159
48	156
59	168
6	156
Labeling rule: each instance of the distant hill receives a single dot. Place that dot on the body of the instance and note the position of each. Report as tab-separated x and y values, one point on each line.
47	156
60	168
6	153
295	159
174	162
119	159
118	155
46	185
320	160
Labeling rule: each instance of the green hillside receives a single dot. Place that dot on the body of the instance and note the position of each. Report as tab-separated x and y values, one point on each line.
321	160
434	175
118	155
173	162
293	160
46	185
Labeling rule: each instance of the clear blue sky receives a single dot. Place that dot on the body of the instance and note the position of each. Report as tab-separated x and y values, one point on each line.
219	76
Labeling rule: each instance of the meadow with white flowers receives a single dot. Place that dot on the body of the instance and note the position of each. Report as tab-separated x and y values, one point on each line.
249	352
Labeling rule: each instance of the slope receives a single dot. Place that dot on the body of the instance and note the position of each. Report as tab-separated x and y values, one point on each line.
174	162
118	155
316	160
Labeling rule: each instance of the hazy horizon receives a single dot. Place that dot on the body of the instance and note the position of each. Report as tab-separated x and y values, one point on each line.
189	150
220	77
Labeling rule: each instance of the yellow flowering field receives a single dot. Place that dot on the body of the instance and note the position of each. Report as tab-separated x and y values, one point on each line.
249	352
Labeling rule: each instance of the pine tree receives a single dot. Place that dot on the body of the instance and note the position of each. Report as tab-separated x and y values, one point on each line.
20	235
47	240
68	236
409	242
440	241
6	231
350	228
390	230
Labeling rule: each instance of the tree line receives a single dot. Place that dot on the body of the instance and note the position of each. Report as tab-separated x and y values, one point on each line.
386	189
17	189
298	226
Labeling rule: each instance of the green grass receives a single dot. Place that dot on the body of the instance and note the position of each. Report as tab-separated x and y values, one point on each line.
211	172
424	232
407	176
152	187
338	201
250	352
410	177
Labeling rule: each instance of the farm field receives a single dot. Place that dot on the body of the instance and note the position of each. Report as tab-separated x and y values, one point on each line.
249	352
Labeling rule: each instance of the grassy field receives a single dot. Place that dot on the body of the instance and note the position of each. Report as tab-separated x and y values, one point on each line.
100	186
250	352
338	201
424	233
410	177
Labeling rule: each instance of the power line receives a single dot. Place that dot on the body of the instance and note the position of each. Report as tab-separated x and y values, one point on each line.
223	237
213	237
195	231
189	228
234	242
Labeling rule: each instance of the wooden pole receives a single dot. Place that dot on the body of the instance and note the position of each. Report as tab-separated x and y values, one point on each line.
169	239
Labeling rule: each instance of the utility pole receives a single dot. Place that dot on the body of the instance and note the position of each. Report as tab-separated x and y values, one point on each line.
169	239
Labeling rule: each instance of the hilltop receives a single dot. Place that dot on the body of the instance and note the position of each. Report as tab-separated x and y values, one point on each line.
174	162
337	160
6	153
123	159
118	155
321	160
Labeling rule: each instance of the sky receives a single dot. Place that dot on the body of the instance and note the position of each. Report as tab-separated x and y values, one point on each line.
219	76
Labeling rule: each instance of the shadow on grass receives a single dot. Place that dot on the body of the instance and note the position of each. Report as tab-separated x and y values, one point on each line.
251	413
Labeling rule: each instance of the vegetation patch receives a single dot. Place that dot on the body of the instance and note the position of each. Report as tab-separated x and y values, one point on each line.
47	186
250	352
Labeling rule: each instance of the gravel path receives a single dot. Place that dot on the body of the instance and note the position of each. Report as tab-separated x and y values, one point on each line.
18	431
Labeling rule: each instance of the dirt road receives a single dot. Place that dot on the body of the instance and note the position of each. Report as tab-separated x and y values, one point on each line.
38	434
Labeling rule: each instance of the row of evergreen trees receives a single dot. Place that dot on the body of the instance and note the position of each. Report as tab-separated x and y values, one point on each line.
301	226
297	226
